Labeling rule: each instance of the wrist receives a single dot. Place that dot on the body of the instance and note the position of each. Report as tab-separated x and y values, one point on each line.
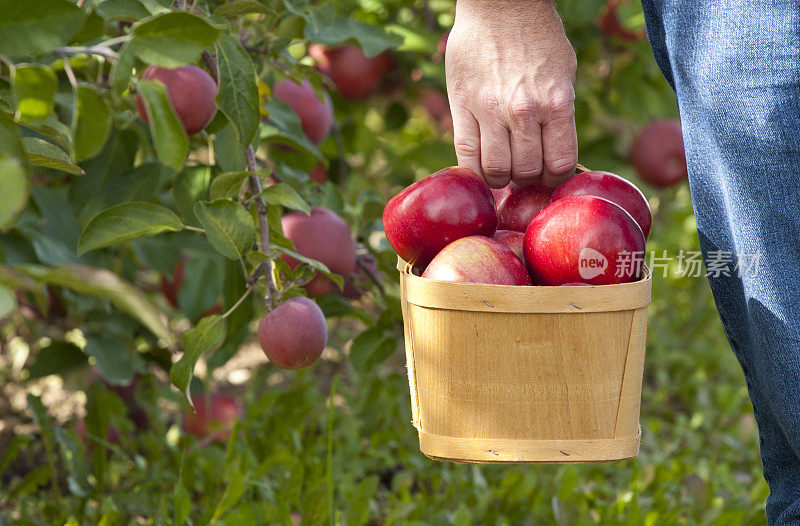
501	12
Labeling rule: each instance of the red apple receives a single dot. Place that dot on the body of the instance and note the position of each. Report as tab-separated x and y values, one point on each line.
323	236
356	284
318	174
217	422
437	106
500	194
583	238
657	153
431	213
191	92
315	115
355	75
609	23
612	187
478	259
512	239
517	209
294	334
576	284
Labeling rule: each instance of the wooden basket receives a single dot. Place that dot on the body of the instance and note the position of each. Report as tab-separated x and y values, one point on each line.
503	374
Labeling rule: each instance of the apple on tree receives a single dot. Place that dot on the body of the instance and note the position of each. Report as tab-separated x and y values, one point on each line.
612	187
430	214
658	154
215	421
191	92
478	259
355	75
583	238
323	236
316	115
294	334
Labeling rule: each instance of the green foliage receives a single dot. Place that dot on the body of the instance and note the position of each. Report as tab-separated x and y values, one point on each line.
100	213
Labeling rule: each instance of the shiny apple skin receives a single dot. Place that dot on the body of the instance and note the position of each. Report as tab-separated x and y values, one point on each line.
478	259
612	187
428	215
557	235
516	209
512	239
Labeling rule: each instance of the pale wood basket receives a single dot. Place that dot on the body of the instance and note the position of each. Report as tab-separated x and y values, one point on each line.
502	374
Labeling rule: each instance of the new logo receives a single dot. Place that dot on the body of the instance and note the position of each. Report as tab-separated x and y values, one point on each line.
591	263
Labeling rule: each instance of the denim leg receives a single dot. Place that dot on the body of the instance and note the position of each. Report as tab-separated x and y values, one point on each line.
735	66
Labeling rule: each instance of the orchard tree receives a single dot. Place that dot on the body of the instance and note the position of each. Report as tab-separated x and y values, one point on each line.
155	168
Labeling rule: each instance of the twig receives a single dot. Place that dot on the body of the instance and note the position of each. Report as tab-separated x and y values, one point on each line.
88	50
70	74
261	206
239	301
371	275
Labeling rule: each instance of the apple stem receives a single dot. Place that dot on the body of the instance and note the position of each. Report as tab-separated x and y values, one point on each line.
270	290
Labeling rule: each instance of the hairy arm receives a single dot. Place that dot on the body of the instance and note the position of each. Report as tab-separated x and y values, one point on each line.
510	76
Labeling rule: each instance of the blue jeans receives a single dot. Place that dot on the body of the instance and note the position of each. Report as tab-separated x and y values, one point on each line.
735	66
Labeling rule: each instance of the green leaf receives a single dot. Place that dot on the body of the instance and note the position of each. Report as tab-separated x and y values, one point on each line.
371	347
313	263
233	492
14	197
182	503
227	185
238	88
238	8
122	69
227	150
191	186
284	126
91	29
34	90
284	195
48	155
125	222
7	301
91	123
45	423
32	28
104	284
326	27
14	178
173	39
169	137
123	10
207	336
57	358
229	227
117	361
12	450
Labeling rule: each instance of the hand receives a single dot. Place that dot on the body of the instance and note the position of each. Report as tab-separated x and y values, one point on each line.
510	74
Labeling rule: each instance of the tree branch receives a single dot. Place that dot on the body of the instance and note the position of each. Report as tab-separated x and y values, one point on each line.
270	291
89	50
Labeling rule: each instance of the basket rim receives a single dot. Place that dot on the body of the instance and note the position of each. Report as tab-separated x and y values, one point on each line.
482	297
